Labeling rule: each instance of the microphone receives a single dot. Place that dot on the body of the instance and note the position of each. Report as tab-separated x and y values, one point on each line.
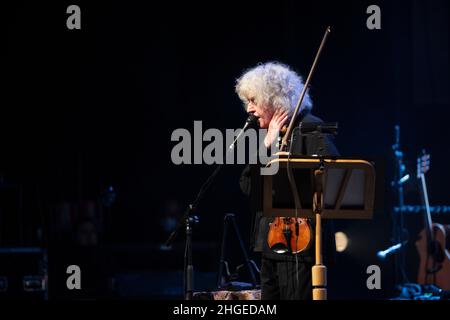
392	249
251	121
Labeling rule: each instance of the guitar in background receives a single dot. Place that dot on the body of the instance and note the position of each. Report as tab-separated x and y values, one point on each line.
434	267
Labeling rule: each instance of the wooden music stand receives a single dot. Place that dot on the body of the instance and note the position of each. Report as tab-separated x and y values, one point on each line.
327	187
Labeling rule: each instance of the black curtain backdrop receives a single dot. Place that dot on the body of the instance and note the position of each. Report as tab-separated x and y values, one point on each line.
86	109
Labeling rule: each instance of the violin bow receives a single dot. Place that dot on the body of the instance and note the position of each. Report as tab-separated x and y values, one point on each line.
305	87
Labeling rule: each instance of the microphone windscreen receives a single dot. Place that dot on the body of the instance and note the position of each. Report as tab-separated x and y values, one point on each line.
252	120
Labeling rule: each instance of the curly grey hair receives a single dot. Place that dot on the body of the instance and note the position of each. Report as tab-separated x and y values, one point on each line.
274	85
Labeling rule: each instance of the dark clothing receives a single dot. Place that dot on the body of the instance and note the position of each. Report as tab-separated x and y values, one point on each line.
278	268
278	280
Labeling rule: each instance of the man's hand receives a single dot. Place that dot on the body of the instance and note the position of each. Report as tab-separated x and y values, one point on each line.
275	125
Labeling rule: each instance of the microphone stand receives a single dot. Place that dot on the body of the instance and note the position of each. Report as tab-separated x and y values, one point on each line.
188	220
399	240
399	226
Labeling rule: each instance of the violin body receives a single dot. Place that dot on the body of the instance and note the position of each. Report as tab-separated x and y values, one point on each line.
434	264
289	235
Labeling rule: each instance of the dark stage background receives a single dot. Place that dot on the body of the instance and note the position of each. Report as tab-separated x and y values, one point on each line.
87	116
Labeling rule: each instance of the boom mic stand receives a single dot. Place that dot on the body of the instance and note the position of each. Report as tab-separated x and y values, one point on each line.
187	220
398	228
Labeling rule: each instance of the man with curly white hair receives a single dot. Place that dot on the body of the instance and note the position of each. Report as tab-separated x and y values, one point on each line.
271	91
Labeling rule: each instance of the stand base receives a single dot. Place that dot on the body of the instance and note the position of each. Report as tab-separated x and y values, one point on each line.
319	280
319	294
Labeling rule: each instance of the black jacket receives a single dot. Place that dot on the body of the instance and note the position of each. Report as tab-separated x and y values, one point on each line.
307	145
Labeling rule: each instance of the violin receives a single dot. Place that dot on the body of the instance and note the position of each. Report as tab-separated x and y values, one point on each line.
288	234
293	234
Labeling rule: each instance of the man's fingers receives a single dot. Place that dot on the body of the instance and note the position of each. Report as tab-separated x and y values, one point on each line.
282	117
277	113
283	120
279	118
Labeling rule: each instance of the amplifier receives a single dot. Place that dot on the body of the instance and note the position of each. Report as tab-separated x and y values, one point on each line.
23	273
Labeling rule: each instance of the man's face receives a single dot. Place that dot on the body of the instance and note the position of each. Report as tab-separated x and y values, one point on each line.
264	114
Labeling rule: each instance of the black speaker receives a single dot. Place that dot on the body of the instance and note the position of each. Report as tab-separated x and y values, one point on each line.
23	273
